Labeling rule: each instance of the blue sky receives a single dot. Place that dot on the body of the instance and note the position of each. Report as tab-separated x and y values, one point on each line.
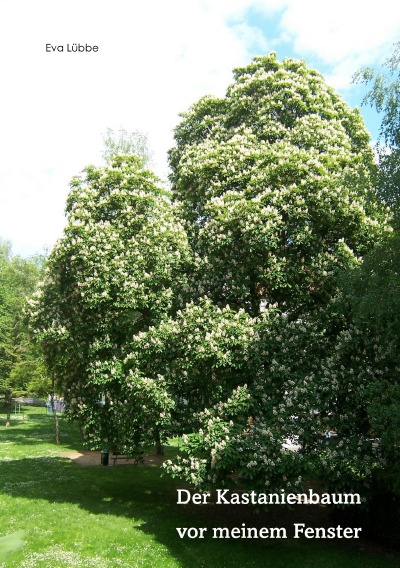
154	60
273	29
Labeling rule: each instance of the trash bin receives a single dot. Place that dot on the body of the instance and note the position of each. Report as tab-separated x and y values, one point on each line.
104	458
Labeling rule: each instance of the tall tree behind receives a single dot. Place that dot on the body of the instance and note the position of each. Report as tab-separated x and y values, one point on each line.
21	366
124	143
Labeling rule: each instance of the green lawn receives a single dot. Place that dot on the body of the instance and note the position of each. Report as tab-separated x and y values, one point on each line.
126	516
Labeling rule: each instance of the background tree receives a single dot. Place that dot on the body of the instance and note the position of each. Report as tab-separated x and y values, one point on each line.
384	95
124	143
373	290
21	366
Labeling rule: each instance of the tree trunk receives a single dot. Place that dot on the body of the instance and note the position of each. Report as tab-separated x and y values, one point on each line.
8	410
56	425
159	446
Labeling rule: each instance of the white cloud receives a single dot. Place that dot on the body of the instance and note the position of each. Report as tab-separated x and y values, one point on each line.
155	59
341	33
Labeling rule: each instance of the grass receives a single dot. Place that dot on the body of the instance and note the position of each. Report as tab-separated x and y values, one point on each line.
126	516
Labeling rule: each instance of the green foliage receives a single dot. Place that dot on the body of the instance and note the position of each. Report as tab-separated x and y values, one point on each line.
384	95
21	367
370	297
201	354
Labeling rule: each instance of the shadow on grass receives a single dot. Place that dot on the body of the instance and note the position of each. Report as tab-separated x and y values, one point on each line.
140	494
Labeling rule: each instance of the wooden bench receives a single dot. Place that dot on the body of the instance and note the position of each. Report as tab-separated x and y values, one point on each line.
138	458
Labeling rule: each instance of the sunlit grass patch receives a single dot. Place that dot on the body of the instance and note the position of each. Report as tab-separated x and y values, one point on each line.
125	516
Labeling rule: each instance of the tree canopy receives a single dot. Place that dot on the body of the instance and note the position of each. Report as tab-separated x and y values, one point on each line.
118	269
275	184
214	311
